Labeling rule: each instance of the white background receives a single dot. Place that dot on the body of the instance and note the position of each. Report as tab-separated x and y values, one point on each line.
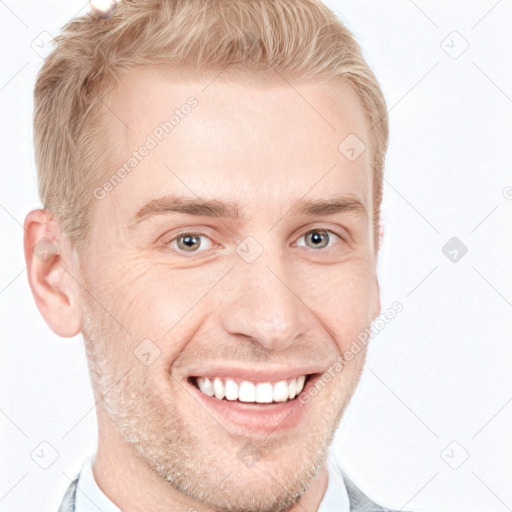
438	384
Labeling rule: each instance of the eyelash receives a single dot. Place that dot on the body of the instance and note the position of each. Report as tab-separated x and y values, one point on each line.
193	233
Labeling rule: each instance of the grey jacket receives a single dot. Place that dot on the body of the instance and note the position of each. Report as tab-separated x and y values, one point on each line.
358	501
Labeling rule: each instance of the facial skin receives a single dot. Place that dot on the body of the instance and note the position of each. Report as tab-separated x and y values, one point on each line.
263	147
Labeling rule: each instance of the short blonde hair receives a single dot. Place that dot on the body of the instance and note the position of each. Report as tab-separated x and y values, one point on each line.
301	39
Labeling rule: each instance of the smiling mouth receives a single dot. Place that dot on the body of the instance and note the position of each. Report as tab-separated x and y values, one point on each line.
247	391
256	407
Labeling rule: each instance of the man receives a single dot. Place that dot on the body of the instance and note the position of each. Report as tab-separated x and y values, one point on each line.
211	175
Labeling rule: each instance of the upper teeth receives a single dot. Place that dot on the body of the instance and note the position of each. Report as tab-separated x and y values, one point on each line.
262	392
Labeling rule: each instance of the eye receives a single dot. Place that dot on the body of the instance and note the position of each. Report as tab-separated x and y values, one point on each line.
318	238
189	242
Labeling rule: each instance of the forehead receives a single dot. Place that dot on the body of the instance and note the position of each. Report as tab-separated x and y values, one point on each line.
266	143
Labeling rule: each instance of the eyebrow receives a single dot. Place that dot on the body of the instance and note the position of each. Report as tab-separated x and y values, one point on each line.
171	204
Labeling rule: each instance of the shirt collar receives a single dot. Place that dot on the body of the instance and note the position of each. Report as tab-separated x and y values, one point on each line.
90	498
336	496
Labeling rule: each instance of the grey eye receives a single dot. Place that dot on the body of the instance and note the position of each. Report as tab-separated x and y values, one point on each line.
319	238
188	242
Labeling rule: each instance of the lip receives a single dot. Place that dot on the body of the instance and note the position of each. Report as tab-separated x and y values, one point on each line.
241	418
256	375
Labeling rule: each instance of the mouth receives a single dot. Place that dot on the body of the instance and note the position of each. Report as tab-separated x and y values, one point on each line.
243	406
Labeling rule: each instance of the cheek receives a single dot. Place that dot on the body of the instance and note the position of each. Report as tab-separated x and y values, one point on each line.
344	302
157	301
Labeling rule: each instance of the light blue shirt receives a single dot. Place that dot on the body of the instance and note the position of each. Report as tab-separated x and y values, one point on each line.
90	498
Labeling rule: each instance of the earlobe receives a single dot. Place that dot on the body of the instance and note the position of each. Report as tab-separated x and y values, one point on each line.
52	273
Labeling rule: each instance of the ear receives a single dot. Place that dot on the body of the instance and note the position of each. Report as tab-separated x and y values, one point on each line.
53	273
377	306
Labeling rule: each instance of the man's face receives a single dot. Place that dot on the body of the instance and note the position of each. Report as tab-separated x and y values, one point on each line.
267	295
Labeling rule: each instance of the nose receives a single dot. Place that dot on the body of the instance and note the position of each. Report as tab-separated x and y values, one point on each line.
261	304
